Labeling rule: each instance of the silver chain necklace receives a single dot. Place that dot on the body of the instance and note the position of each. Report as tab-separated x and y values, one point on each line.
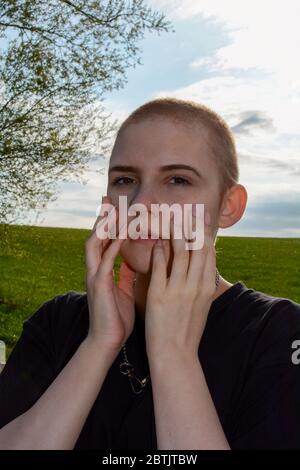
126	368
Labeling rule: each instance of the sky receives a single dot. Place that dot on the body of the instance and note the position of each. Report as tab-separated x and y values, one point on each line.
240	58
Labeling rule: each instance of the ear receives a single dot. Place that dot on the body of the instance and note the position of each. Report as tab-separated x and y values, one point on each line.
233	206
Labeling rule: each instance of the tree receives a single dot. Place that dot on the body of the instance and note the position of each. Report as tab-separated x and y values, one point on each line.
58	61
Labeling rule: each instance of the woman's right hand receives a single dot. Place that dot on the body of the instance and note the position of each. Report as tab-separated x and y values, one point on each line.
111	306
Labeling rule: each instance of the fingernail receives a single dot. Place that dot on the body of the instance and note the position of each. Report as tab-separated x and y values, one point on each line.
207	218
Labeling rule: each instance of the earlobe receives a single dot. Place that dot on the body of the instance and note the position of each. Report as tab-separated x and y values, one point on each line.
233	206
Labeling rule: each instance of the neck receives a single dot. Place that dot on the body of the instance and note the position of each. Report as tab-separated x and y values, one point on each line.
141	289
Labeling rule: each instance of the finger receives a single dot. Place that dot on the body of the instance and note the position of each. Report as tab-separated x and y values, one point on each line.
115	230
198	255
210	268
209	275
107	221
105	200
95	245
92	255
108	259
126	278
181	255
96	249
159	267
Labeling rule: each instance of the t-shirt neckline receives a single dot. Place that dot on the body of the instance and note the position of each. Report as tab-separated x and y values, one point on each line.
224	299
221	302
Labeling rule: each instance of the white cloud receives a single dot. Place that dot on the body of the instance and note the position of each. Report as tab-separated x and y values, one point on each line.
76	203
264	34
210	62
229	95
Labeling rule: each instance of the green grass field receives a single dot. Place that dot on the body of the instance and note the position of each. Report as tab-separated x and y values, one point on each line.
37	263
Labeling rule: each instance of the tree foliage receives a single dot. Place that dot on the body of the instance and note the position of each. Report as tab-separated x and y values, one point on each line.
58	61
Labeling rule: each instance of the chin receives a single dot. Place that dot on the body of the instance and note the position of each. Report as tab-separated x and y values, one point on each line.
137	255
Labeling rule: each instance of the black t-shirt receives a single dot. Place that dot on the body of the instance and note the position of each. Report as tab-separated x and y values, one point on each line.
245	351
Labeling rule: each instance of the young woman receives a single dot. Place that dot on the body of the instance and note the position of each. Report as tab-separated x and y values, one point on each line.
174	356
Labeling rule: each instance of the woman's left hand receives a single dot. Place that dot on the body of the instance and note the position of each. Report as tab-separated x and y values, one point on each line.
177	306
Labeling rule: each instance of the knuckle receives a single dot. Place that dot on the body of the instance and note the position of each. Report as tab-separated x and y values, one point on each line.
205	249
182	254
212	250
97	281
189	295
154	298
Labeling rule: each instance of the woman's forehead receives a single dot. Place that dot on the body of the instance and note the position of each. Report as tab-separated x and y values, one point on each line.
161	141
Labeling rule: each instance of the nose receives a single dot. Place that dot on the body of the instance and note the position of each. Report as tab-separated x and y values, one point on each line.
146	197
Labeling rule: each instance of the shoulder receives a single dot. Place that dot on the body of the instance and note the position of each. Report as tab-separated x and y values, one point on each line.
242	307
265	308
61	323
62	308
265	322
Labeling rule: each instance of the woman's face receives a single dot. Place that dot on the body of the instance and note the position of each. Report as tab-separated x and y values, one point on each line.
148	148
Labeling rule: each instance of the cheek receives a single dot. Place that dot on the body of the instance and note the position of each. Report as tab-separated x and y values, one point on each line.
114	196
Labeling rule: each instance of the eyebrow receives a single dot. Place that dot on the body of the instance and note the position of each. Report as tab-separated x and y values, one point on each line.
177	166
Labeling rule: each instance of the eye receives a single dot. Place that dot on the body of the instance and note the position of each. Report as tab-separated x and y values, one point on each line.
181	181
117	181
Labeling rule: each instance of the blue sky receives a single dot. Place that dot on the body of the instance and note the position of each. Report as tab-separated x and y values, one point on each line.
241	59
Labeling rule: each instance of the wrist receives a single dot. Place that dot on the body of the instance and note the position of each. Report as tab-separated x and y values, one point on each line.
97	350
171	354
